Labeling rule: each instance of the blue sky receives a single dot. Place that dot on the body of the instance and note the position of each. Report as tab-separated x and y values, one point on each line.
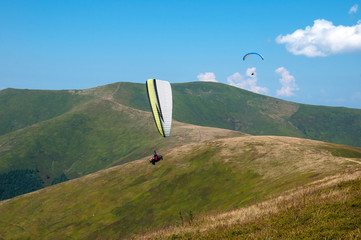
312	49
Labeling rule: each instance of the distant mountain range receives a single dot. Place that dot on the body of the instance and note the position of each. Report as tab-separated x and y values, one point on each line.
47	137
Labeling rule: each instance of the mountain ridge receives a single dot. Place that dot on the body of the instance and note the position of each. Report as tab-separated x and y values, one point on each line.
224	106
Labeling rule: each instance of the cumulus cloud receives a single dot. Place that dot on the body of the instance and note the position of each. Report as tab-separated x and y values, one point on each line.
323	39
248	82
288	83
353	9
207	77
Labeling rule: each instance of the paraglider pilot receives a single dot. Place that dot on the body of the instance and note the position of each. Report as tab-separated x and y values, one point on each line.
156	158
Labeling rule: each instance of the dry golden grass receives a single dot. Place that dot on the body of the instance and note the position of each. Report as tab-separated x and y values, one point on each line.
293	198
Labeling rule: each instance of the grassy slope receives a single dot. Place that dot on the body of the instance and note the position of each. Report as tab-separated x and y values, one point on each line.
100	134
208	177
331	213
338	125
224	106
330	209
22	108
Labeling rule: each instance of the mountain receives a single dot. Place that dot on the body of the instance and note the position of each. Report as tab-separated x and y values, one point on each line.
193	181
47	137
92	133
22	107
199	103
223	106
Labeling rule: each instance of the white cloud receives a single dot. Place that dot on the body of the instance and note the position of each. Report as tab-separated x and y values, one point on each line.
288	83
323	39
353	9
248	82
207	77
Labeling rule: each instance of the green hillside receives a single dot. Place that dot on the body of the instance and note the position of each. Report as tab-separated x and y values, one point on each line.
198	179
224	106
339	125
330	209
93	136
199	103
21	107
60	135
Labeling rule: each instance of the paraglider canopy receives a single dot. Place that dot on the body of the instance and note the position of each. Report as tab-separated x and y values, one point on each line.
252	53
161	103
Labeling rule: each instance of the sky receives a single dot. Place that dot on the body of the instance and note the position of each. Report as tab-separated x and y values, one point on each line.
311	49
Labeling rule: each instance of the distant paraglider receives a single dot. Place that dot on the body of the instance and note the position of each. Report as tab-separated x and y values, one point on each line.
252	53
160	100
